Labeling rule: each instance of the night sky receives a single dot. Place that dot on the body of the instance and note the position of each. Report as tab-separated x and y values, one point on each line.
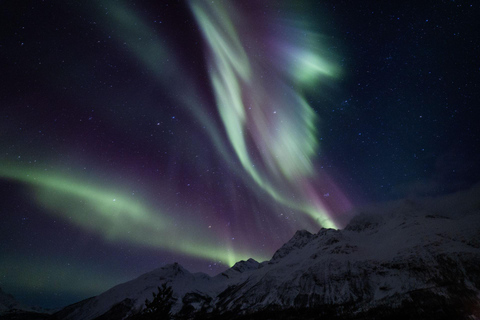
136	134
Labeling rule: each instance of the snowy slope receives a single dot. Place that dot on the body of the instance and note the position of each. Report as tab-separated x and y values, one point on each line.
388	255
374	258
134	293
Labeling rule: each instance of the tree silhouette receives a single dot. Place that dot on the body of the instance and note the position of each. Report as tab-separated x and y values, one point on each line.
160	306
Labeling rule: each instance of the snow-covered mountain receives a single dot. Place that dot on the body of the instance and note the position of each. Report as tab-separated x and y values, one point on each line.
415	258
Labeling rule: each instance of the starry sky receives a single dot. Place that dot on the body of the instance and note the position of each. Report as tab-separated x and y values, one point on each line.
136	134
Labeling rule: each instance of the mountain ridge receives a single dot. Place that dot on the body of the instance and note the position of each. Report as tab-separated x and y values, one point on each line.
386	258
415	258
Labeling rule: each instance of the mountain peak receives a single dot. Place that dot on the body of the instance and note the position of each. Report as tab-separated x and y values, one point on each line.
169	271
242	265
299	240
302	234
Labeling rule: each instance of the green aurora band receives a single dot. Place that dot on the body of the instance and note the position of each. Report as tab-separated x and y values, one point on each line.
118	216
269	112
49	275
245	101
269	124
150	48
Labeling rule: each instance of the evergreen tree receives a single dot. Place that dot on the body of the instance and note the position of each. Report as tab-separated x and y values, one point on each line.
159	308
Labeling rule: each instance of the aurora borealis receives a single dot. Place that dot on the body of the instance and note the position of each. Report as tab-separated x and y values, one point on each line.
280	123
137	134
